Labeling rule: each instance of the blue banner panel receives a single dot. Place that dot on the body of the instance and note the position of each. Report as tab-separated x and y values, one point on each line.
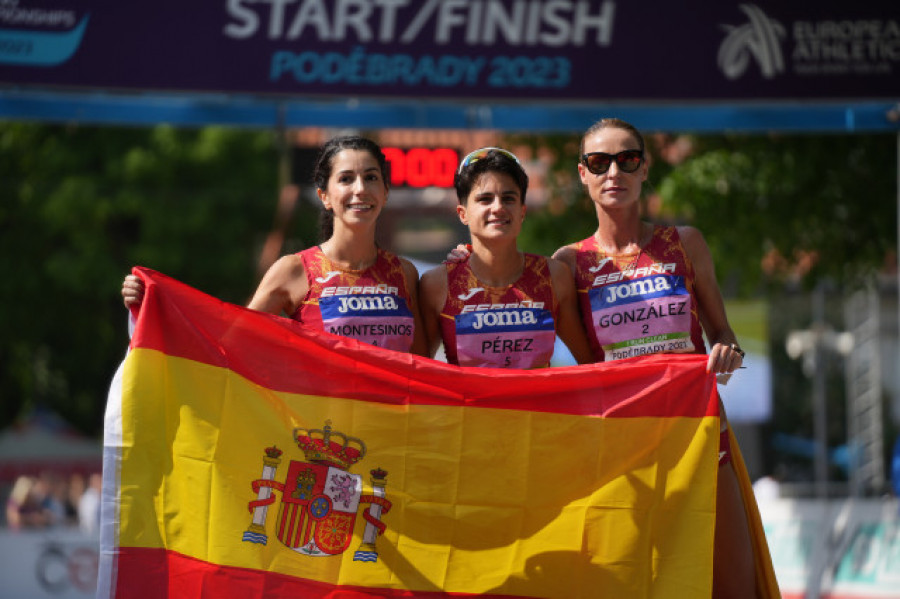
573	50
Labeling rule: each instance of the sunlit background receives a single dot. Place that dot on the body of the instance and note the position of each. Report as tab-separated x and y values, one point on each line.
792	179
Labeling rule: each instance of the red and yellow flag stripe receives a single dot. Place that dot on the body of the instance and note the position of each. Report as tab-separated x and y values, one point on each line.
567	482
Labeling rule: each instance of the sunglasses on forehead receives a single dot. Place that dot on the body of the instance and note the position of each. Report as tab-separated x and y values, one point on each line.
473	157
598	163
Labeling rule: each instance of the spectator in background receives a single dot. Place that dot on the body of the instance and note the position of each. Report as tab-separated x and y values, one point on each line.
766	488
53	496
20	503
73	495
89	506
31	504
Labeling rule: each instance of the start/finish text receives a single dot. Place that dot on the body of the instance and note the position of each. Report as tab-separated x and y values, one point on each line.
552	23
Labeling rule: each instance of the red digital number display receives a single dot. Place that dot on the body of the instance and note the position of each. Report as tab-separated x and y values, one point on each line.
422	167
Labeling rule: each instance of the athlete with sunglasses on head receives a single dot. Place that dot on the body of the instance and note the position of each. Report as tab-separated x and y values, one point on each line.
499	307
646	288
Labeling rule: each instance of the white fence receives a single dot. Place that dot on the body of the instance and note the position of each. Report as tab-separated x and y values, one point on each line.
834	549
839	549
58	563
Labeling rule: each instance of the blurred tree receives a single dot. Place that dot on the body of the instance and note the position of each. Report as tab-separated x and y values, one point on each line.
569	214
792	209
80	206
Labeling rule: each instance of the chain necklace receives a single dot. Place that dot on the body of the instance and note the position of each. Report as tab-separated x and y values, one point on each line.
630	268
634	262
505	282
349	267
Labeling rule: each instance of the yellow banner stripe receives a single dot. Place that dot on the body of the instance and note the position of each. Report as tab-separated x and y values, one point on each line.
484	501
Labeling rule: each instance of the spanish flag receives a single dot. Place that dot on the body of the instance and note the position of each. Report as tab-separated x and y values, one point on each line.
248	457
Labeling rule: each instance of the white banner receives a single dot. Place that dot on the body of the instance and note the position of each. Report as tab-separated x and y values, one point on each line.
57	563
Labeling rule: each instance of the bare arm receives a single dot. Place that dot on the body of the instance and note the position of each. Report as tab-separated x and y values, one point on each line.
411	275
566	255
282	288
433	290
568	325
723	358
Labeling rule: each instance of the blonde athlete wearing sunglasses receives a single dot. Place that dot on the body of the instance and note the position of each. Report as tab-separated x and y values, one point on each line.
499	307
647	289
628	262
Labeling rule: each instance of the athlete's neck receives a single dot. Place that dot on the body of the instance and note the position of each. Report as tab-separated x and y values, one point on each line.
350	254
628	237
496	266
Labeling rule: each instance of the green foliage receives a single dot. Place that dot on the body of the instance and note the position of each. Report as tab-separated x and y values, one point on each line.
832	198
79	207
569	215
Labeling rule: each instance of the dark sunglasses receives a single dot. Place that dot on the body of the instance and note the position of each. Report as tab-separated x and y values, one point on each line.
598	163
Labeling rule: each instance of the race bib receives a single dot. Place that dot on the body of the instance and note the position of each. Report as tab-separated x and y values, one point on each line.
507	338
377	318
642	316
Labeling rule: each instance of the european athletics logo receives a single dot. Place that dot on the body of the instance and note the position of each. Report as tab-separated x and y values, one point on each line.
760	39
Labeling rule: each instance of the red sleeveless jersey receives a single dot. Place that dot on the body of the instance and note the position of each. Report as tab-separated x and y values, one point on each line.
499	327
637	304
371	305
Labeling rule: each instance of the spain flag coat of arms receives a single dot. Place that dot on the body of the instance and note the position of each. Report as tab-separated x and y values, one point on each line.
248	457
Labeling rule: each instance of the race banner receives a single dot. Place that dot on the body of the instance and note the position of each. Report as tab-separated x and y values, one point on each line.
562	50
246	456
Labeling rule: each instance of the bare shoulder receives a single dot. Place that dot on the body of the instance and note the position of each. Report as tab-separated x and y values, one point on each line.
559	268
282	287
694	244
286	268
435	277
409	269
698	253
566	254
561	279
433	290
691	237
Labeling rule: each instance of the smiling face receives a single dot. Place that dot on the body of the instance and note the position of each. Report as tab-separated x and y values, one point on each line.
614	188
494	208
356	190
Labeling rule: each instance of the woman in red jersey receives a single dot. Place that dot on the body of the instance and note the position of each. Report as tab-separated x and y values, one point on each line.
644	289
347	285
499	307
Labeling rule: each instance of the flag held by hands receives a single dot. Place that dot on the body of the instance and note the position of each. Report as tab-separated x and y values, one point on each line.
249	457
